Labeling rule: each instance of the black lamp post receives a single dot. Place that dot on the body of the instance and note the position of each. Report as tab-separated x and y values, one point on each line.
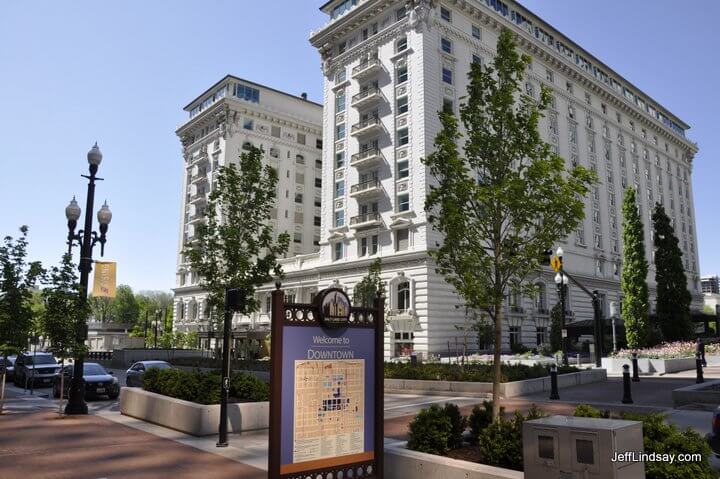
561	280
86	239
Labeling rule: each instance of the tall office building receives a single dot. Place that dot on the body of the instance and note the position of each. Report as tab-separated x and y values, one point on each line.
223	122
710	284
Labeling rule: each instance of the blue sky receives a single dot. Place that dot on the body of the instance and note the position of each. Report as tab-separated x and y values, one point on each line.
75	72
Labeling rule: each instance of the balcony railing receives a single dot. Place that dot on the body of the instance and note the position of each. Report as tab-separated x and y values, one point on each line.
365	186
368	157
372	123
366	67
366	96
365	218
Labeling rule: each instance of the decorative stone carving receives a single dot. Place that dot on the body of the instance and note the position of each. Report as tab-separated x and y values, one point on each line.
419	17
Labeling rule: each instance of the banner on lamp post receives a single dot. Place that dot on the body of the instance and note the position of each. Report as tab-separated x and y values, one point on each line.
104	281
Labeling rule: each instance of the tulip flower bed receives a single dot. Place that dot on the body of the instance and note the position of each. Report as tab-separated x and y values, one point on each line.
676	350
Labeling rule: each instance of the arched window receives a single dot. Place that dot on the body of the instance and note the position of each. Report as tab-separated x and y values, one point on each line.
193	311
403	296
181	311
541	298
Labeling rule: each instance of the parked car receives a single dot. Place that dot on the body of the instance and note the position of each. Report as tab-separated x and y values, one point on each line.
9	367
98	381
37	367
713	438
134	374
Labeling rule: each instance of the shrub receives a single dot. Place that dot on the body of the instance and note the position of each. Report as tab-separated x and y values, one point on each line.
480	418
500	443
431	431
248	388
474	372
458	424
583	410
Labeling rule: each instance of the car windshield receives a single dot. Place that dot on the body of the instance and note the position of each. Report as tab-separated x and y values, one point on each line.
93	370
40	359
157	365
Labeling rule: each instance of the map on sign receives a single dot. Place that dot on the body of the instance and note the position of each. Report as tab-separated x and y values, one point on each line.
329	409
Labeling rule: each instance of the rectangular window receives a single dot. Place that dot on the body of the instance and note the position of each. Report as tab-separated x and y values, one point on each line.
338	251
298	198
340	102
403	137
318	183
400	13
404	202
339	189
275	131
340	132
403	169
248	124
316	221
448	105
402	74
339	218
318	144
297	238
301	138
446	45
476	32
402	240
339	159
402	105
477	59
447	76
445	14
549	76
401	45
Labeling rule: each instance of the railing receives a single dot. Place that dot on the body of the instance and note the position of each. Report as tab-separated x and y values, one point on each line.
364	186
517	309
198	196
542	311
364	218
366	93
100	355
372	121
364	155
365	65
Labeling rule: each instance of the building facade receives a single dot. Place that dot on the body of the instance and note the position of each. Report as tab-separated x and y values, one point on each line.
223	122
389	67
710	284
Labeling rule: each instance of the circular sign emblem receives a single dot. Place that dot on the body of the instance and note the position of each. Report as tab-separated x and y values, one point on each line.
333	308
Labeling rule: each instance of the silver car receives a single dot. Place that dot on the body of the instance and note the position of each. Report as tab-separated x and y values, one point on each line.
134	374
38	368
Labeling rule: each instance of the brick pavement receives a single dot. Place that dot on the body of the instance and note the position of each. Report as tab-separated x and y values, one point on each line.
42	445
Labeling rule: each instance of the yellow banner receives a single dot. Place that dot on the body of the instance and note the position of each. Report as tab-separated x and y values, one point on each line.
104	281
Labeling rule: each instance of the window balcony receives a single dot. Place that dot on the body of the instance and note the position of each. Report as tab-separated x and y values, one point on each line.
199	160
199	177
366	127
366	68
366	98
366	158
366	189
198	198
365	220
196	218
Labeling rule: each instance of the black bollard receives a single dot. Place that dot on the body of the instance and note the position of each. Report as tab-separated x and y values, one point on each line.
636	372
627	397
698	368
553	383
413	359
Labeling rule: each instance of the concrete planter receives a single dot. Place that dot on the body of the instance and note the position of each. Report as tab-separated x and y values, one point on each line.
507	390
703	393
649	366
189	417
401	462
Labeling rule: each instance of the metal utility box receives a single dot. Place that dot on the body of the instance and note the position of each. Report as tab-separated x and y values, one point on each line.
565	447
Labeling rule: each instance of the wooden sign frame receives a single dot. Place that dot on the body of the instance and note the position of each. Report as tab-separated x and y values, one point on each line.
369	465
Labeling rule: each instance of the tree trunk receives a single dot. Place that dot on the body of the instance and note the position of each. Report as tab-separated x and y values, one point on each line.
2	387
497	371
62	384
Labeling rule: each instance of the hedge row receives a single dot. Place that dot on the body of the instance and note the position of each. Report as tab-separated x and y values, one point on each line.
473	372
203	387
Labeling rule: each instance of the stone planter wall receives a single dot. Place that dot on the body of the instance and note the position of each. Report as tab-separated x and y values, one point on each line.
649	366
124	358
696	394
507	390
189	417
401	463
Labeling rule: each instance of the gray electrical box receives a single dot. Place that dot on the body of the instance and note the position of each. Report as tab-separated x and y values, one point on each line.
565	447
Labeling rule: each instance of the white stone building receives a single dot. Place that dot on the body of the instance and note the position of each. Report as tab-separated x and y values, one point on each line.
390	66
223	122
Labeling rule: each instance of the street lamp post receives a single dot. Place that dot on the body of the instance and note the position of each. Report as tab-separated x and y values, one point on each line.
561	280
86	239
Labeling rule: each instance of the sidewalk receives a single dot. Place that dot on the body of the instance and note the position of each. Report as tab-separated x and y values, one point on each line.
42	445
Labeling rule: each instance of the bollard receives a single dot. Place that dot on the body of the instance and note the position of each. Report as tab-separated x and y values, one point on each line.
413	359
698	368
553	383
635	376
627	397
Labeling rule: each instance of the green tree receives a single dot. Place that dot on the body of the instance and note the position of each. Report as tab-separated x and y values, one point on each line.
634	274
17	279
508	199
126	309
236	246
673	297
102	309
65	313
365	291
